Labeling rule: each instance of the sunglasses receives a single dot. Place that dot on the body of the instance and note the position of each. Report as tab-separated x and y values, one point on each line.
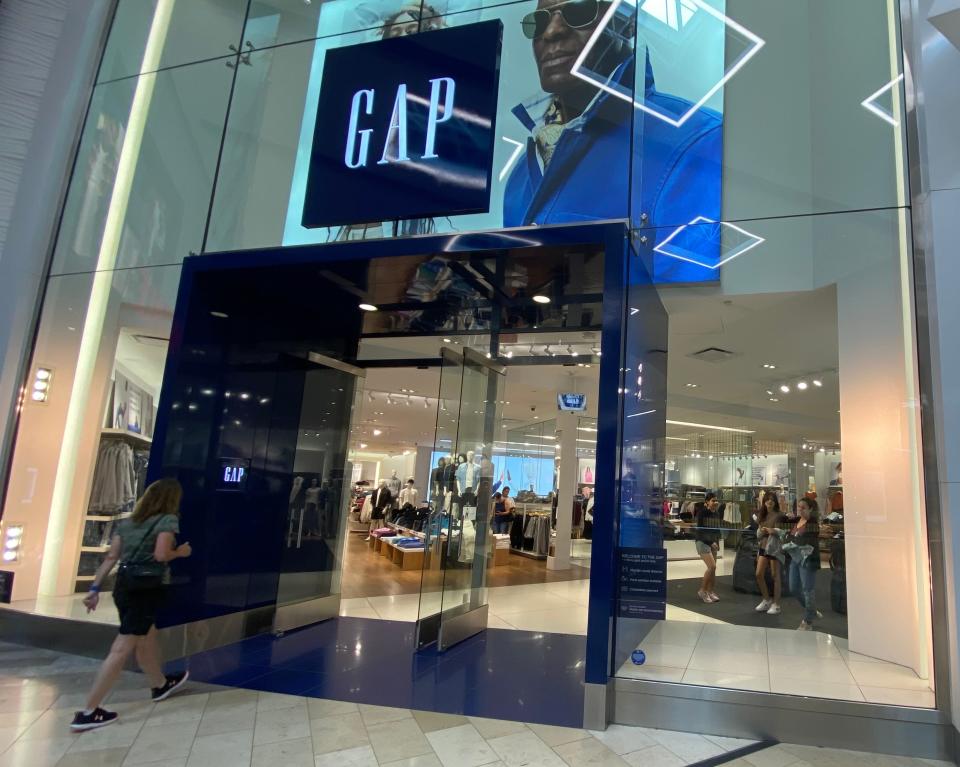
576	14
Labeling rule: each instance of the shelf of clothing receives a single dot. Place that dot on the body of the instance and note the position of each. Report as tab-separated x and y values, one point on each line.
136	439
138	442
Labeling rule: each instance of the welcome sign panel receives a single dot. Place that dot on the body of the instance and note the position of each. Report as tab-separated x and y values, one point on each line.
405	128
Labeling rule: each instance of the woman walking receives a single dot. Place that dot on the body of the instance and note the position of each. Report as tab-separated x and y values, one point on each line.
144	545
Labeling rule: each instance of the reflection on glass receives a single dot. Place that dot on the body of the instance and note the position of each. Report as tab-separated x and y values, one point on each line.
192	31
319	487
147	156
790	390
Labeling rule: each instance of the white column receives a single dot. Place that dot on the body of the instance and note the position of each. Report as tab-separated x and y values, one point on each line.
567	447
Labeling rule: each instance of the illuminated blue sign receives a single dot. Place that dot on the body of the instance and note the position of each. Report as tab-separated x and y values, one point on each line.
405	128
233	474
572	402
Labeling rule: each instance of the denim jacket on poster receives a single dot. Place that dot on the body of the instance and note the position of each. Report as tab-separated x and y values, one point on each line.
680	169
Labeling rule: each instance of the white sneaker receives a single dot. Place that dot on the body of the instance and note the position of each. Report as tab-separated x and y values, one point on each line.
804	626
763	606
819	614
704	597
713	596
774	609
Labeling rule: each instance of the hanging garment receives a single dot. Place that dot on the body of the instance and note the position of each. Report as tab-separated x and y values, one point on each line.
516	532
114	478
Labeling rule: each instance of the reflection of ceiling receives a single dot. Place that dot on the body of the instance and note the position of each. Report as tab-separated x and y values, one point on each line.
582	343
529	396
796	332
142	356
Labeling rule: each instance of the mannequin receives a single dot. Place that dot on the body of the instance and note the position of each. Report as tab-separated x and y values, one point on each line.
394	484
468	478
436	480
409	495
381	501
449	482
311	512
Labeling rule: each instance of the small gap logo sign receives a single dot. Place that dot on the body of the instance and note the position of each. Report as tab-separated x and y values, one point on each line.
405	128
233	475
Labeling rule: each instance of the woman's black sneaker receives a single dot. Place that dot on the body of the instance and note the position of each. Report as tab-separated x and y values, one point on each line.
99	717
174	683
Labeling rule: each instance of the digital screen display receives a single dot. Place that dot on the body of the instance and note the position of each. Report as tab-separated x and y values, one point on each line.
572	402
407	128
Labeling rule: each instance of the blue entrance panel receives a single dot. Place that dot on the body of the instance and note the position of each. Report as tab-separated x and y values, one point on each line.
500	674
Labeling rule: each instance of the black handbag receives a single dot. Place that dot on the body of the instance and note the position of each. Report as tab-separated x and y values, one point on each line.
139	576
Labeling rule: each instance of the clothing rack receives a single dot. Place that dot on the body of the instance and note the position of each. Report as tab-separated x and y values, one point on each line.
522	513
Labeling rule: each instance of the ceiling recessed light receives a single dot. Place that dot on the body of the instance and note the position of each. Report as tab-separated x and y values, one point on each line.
785	389
817	382
363	445
377	432
802	386
446	340
774	399
541	299
368	307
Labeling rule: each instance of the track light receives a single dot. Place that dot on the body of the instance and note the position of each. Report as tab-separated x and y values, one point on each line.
541	299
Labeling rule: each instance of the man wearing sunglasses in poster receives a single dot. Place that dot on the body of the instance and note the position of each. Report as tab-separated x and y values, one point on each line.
577	161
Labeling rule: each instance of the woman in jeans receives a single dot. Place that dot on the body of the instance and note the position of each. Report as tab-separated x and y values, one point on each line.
144	545
802	543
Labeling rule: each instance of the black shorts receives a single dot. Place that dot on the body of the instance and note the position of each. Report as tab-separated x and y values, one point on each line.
138	609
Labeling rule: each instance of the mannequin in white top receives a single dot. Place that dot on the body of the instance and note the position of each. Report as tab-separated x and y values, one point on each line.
409	494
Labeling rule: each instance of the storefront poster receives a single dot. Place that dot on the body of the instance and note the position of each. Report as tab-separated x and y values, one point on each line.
651	79
643	583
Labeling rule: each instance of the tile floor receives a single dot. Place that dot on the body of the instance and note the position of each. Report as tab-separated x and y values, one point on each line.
210	726
774	660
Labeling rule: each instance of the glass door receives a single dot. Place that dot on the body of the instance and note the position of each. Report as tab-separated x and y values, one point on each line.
319	492
453	595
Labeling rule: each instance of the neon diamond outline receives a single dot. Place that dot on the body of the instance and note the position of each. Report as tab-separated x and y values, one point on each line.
757	240
757	41
678	5
869	102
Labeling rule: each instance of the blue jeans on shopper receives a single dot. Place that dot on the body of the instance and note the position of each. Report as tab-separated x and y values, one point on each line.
803	584
501	525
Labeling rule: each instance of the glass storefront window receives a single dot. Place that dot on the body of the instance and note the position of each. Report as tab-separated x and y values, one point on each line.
145	170
81	455
791	400
755	146
148	35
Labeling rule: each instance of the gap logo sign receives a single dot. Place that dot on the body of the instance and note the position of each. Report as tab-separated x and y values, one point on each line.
405	128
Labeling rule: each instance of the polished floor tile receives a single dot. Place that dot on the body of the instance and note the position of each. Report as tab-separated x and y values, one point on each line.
215	727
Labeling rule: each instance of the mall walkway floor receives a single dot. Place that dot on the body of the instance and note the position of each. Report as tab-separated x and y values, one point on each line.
214	726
